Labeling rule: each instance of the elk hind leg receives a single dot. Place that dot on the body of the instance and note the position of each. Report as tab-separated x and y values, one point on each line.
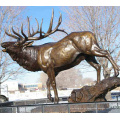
93	62
106	54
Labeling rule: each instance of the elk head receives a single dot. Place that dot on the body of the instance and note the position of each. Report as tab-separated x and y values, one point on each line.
21	39
10	47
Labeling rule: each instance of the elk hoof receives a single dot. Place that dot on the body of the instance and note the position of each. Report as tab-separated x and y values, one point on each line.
116	73
97	82
56	100
50	98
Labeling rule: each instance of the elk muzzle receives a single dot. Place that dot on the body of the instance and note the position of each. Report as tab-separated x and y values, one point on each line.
3	45
4	50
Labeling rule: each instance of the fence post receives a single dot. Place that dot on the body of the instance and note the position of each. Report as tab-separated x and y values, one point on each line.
96	107
42	108
117	101
17	109
68	108
14	109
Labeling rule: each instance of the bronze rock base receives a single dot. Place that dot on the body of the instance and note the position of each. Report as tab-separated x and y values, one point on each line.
95	93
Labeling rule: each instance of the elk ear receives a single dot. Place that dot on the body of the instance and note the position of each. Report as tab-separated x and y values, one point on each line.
28	44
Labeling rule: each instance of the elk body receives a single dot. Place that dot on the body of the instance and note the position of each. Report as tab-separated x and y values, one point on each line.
53	58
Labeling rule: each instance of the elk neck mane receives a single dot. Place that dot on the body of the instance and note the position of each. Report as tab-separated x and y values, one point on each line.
27	57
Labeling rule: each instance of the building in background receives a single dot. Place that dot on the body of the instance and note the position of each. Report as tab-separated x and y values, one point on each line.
33	86
21	88
12	86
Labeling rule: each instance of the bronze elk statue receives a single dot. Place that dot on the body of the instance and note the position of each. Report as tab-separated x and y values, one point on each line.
55	57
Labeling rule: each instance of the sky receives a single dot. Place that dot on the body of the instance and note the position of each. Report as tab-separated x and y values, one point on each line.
59	2
44	12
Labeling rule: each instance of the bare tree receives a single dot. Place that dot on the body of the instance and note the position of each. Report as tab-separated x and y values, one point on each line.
103	21
66	79
87	81
8	16
69	78
43	79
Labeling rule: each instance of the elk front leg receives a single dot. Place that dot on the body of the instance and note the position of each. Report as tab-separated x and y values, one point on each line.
48	91
105	53
51	75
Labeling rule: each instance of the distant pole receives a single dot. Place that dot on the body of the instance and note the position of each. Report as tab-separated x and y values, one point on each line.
0	88
117	101
7	90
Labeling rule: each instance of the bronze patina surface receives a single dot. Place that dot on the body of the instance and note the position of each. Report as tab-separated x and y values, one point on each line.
58	56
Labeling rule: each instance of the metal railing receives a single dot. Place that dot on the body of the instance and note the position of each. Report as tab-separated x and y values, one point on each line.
96	107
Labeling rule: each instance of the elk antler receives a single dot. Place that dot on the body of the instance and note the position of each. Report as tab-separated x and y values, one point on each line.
49	32
42	34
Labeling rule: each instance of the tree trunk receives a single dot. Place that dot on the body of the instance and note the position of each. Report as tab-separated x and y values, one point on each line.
106	73
106	69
